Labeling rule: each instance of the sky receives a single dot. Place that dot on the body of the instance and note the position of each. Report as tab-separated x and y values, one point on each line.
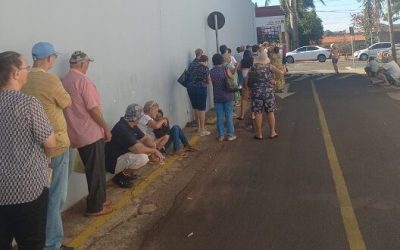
335	14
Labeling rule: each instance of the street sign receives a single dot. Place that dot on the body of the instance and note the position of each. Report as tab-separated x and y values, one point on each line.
220	20
351	30
216	21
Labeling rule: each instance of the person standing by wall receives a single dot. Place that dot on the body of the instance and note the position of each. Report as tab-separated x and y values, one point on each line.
197	91
223	99
26	140
48	89
87	131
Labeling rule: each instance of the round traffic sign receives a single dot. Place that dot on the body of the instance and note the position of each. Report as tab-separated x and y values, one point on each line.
220	20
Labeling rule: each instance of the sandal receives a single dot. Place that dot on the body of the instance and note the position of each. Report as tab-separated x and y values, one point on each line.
107	203
257	138
191	149
104	211
273	137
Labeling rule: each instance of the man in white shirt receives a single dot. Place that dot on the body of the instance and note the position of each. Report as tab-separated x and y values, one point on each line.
392	69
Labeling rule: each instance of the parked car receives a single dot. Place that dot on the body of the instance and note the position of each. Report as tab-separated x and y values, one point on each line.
384	53
311	52
373	50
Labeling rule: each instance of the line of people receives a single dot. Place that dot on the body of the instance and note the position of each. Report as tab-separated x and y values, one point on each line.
42	117
248	76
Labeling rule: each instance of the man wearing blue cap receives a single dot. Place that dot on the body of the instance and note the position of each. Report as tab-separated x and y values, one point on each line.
49	90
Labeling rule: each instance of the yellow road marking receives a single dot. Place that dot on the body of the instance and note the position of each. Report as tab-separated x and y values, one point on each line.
97	222
354	237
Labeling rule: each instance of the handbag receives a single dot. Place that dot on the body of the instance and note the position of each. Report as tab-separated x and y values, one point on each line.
184	78
229	85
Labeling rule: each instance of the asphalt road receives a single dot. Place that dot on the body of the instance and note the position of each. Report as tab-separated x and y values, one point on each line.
282	193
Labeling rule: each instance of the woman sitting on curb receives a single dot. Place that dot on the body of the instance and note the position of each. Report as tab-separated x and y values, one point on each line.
176	136
147	124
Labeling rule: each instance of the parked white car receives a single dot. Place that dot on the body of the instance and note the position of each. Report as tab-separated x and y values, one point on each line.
307	53
373	50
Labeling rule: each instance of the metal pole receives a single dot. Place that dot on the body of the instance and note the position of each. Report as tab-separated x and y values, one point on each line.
216	31
389	4
352	48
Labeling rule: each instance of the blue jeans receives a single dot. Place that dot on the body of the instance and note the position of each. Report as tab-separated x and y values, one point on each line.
224	109
176	137
57	197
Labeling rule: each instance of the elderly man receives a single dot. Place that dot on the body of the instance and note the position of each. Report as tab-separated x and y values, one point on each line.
48	89
129	148
87	131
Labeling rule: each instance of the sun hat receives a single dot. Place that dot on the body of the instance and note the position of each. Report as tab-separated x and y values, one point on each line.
79	56
43	50
133	112
262	58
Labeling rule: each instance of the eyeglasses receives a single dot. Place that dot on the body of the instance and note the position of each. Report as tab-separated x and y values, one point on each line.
28	67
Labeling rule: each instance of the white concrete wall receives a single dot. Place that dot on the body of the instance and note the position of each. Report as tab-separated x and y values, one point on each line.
140	47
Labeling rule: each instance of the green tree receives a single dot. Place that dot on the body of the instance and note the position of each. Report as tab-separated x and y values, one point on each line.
294	9
368	21
310	28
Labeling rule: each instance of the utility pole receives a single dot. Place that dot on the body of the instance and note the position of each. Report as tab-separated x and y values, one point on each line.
389	5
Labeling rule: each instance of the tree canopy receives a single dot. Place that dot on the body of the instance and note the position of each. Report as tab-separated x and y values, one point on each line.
310	28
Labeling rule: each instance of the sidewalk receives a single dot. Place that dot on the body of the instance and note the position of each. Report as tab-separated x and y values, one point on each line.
83	232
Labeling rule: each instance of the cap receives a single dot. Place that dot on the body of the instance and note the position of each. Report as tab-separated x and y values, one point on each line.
79	56
133	112
42	50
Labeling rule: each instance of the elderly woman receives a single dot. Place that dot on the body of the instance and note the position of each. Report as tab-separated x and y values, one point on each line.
244	66
276	60
232	73
222	99
262	93
197	91
148	122
26	138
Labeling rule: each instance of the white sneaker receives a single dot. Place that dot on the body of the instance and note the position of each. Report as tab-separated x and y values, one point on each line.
232	138
205	133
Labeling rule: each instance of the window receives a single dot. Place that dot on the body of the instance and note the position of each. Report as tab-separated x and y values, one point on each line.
302	49
312	48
